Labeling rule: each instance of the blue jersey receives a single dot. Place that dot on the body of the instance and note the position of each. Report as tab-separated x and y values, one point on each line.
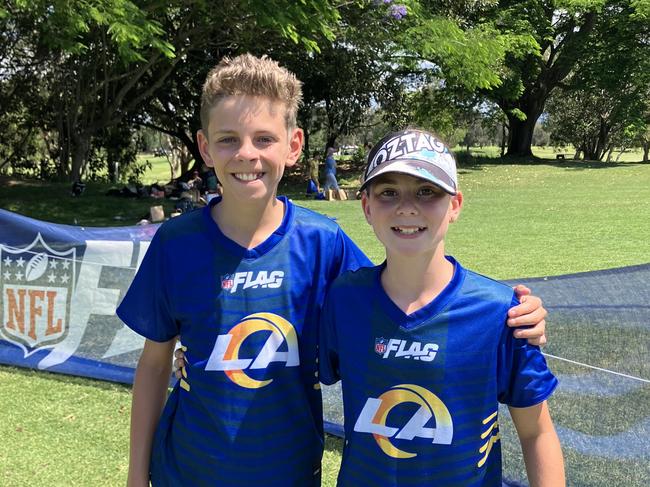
421	391
249	411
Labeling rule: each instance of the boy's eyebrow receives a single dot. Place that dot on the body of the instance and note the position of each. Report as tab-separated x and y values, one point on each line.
215	133
234	132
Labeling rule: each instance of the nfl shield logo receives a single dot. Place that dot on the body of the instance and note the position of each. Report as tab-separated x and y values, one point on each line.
227	281
380	345
37	283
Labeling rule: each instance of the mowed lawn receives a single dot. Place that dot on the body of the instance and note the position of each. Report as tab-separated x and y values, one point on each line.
537	219
518	221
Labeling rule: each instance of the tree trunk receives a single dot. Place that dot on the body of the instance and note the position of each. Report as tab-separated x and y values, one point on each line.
618	157
63	155
603	139
646	151
331	141
79	156
193	147
186	159
305	147
113	171
520	138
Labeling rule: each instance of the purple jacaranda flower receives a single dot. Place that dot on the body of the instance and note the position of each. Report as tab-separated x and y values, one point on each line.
398	11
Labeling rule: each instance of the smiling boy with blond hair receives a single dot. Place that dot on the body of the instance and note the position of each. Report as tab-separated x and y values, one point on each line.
247	410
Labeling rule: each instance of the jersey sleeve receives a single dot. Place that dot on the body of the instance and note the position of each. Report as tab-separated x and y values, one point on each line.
146	307
328	359
523	378
347	256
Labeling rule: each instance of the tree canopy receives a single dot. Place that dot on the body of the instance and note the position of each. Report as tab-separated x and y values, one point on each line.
77	79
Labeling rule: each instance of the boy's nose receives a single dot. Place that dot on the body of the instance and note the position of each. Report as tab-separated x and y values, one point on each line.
247	150
407	207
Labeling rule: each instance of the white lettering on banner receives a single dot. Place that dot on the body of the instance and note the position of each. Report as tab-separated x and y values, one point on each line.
126	340
88	298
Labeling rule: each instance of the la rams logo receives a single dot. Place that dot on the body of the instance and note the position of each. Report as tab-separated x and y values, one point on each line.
226	353
37	284
375	413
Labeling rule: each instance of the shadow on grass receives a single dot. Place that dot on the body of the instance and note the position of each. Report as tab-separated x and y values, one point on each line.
52	202
469	163
333	444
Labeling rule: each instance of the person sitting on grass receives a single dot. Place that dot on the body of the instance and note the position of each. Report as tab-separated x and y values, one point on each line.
427	357
247	409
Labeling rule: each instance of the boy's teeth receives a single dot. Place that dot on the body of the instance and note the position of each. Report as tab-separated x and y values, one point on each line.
408	230
247	176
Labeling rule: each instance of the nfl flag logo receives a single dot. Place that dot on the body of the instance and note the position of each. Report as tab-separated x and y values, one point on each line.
227	281
380	345
37	282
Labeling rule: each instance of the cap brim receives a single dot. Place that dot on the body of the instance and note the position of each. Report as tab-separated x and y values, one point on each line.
413	168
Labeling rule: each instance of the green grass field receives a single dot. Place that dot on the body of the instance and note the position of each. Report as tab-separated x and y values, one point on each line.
160	169
537	219
519	221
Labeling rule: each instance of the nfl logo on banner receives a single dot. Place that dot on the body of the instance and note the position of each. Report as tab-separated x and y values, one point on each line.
37	283
380	345
227	281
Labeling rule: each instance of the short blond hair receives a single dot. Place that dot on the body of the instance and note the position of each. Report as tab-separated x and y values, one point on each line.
253	76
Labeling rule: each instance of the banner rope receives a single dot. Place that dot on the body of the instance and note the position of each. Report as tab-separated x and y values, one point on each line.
597	368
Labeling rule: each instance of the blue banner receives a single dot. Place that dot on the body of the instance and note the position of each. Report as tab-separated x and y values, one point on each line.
60	287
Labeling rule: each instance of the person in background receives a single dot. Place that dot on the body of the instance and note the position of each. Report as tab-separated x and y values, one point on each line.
330	171
196	186
313	173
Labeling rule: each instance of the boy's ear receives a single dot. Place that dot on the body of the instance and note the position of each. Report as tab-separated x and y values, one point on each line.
456	206
202	141
296	139
365	205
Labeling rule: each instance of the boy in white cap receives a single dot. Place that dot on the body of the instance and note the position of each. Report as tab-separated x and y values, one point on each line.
428	357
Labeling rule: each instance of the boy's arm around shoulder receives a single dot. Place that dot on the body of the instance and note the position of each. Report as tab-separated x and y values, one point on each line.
540	445
149	394
529	313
